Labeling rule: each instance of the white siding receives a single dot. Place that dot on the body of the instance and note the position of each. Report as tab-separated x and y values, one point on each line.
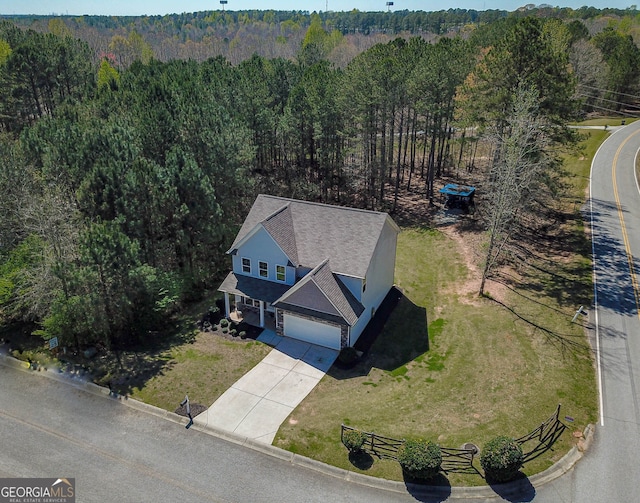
379	278
381	268
353	284
262	248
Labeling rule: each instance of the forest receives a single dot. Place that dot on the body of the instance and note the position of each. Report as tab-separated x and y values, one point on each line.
126	168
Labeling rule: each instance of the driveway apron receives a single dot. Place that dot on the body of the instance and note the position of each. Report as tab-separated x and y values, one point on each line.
261	400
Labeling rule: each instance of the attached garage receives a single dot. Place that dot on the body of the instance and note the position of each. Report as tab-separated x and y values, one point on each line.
311	331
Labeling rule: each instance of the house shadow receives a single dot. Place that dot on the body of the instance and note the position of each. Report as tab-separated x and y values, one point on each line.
396	335
519	490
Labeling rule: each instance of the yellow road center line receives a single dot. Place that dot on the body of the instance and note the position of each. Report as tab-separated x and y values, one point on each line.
623	227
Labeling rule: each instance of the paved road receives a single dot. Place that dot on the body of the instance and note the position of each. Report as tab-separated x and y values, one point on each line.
616	226
610	472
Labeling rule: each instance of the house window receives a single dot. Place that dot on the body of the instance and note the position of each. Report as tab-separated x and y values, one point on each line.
246	265
281	274
251	302
264	269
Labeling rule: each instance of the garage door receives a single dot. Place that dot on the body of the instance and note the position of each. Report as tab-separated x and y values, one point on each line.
312	331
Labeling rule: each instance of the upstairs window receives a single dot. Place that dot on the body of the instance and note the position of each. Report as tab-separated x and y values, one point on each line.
246	266
281	274
264	269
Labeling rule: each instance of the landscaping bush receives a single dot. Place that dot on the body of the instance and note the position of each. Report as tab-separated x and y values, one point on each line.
348	355
419	459
354	440
233	332
501	459
243	335
224	322
225	330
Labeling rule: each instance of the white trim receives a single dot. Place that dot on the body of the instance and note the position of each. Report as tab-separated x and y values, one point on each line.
242	259
284	279
266	269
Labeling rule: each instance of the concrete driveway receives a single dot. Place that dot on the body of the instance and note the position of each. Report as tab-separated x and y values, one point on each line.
261	400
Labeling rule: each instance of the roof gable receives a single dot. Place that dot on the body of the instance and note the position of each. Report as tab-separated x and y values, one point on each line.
280	226
322	292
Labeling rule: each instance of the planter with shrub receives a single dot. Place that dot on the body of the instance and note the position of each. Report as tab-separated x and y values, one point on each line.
354	440
501	459
348	357
420	460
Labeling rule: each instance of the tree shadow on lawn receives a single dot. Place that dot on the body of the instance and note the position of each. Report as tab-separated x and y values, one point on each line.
395	336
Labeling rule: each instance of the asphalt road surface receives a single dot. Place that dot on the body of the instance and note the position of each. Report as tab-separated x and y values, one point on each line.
610	470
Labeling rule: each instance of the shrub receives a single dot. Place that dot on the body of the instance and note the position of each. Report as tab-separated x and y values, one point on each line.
501	459
243	335
354	440
420	459
233	332
225	330
348	355
224	322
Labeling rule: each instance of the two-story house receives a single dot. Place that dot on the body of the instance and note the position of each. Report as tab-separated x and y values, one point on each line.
321	271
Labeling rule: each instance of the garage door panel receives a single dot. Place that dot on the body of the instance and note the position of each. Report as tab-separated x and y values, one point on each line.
312	331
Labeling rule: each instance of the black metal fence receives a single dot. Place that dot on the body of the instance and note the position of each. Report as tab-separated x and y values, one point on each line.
543	437
461	460
385	447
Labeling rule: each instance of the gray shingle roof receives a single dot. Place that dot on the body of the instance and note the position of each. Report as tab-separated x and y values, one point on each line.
280	226
346	236
253	288
321	292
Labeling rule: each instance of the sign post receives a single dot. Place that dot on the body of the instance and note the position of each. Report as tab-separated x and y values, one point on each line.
182	404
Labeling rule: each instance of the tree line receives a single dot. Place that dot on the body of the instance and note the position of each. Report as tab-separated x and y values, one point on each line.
124	184
237	35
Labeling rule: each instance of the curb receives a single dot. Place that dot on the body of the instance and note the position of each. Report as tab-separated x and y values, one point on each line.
566	463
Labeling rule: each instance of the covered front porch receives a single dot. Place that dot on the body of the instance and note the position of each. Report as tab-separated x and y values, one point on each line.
249	299
251	316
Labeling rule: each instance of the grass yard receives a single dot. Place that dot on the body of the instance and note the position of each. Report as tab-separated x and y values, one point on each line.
485	373
488	367
204	369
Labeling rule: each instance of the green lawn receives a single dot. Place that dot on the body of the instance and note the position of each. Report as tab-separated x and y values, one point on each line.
487	369
204	367
483	373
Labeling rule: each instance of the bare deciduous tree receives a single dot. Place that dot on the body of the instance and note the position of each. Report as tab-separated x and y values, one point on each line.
521	159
